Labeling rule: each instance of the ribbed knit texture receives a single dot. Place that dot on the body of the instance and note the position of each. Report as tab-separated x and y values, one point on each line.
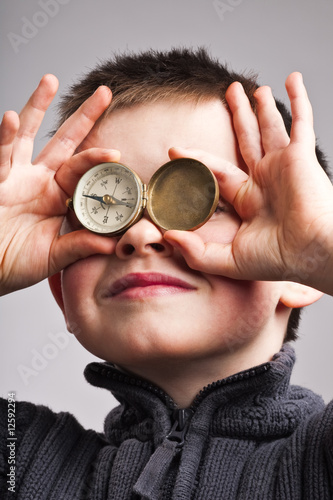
251	437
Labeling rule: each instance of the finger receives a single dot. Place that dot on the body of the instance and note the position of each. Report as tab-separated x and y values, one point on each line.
70	173
8	130
301	110
273	131
245	125
75	129
31	118
230	178
211	258
77	245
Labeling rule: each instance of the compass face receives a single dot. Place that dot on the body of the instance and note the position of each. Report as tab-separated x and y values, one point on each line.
107	198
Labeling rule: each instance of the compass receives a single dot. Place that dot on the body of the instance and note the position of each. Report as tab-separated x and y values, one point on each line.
110	197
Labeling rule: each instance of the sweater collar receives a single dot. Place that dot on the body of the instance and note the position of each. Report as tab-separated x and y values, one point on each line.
256	403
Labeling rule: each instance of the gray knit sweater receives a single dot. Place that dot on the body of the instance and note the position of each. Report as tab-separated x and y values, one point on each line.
250	436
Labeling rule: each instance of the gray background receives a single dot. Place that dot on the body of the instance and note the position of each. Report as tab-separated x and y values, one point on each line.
70	36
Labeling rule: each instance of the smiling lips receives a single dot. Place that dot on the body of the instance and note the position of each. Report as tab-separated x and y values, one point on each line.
139	285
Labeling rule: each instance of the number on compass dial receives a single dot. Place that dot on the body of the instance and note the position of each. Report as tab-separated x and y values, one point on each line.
107	198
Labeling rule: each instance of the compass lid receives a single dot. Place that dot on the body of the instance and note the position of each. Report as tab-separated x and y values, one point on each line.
182	194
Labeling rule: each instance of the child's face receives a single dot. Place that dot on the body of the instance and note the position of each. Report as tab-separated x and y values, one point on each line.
182	314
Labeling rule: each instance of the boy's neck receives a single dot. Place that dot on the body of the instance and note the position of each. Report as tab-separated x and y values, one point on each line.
182	380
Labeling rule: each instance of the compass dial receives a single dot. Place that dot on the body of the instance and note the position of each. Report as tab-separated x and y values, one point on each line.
108	198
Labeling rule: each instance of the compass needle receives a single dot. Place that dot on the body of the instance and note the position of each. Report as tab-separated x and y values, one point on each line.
94	197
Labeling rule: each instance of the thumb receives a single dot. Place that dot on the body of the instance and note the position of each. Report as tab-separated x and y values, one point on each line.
78	245
210	257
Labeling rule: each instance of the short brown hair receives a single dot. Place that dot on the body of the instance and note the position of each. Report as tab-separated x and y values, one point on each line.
151	76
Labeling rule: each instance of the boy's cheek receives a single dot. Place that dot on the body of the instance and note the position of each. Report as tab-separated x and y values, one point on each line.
79	279
78	295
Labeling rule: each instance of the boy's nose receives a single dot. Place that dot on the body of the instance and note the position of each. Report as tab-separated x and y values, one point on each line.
143	239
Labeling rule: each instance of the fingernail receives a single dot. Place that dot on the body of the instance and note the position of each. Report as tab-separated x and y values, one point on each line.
240	86
180	148
173	243
108	152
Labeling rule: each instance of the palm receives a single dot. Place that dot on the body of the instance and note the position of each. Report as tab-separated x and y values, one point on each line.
280	208
29	230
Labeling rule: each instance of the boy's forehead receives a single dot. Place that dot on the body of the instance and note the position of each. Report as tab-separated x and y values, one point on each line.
144	133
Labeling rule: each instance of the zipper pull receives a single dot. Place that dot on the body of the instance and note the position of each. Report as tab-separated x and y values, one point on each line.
152	477
179	429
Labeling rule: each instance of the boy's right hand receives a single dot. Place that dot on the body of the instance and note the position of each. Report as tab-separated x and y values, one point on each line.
33	194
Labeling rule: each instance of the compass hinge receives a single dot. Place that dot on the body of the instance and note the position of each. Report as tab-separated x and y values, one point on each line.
144	196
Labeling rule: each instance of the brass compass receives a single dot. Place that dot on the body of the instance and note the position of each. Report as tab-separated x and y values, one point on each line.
110	197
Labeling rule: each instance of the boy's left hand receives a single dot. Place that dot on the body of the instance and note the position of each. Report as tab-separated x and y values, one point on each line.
285	201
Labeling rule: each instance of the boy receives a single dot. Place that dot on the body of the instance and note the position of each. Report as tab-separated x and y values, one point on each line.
165	317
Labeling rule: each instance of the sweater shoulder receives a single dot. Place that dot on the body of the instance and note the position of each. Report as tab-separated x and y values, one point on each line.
319	414
297	392
43	440
28	416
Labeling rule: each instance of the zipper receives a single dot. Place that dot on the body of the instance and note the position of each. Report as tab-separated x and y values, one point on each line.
181	419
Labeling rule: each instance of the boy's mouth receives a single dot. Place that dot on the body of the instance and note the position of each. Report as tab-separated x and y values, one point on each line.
139	285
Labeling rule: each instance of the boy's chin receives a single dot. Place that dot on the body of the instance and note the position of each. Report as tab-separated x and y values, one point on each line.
162	349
